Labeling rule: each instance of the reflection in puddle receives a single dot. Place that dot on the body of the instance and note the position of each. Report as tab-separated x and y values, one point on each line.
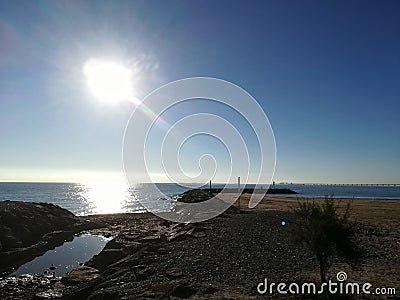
65	257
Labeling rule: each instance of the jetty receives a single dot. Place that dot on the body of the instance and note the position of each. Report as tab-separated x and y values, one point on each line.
283	191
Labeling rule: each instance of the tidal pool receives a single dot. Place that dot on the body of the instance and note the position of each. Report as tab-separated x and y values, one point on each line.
65	257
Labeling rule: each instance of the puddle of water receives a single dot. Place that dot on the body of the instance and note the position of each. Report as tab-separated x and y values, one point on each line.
65	257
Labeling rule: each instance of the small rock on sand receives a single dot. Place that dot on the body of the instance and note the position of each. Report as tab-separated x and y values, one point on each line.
174	272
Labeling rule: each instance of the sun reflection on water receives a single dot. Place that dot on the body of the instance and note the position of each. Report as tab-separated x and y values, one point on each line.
105	198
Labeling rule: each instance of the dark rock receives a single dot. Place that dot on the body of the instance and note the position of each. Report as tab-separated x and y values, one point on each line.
131	237
194	196
199	234
174	272
210	290
106	258
152	238
177	235
105	294
58	234
80	274
199	195
29	229
183	291
143	272
114	244
27	222
29	286
165	223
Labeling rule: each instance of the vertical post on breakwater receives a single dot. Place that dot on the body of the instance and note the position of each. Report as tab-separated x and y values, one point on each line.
239	193
210	189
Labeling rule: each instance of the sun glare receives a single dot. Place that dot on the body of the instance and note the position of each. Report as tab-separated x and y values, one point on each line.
106	197
108	80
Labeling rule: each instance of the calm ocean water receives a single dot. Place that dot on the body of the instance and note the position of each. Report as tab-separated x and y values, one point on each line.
84	199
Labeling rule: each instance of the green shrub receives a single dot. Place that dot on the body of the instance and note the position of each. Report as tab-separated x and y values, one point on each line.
325	231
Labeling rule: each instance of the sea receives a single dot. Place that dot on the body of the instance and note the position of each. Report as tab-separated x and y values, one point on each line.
87	199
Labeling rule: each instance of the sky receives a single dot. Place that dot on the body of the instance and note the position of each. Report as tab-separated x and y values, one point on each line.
326	74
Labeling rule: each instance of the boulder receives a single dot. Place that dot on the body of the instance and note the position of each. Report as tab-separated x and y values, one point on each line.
80	275
106	258
24	223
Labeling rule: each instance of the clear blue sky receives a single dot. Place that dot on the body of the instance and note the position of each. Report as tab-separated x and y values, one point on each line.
327	74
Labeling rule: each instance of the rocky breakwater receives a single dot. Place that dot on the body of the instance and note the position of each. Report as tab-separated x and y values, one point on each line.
30	229
201	195
195	196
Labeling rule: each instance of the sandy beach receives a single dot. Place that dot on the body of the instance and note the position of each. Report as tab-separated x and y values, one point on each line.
380	212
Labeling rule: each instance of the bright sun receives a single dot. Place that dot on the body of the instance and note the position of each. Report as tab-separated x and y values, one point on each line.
108	80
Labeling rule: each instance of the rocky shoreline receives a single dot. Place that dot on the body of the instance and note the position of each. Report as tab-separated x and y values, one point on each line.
223	258
28	230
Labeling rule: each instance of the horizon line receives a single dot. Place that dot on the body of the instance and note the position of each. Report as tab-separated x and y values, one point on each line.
221	183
